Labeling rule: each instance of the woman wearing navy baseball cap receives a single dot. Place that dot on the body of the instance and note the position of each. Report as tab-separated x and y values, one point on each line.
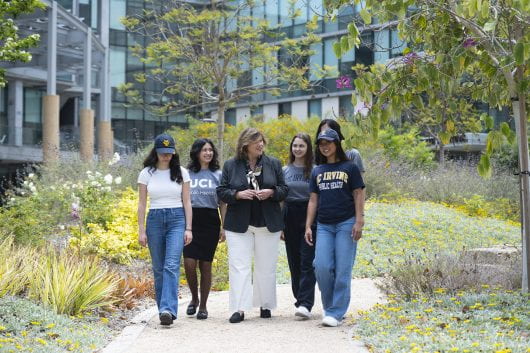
337	195
169	221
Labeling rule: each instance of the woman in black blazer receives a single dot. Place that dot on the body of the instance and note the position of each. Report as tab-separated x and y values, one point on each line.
252	186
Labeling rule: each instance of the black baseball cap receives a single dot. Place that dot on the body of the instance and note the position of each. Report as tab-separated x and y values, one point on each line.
164	143
329	135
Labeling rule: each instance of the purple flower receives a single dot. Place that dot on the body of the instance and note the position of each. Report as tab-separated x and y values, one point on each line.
75	211
343	82
362	108
469	42
410	58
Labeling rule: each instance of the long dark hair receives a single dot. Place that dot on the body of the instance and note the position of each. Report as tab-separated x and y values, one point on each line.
308	158
339	154
194	164
333	124
174	165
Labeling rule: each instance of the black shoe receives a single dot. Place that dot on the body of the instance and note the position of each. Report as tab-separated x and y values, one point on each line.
264	313
166	318
191	310
202	315
236	317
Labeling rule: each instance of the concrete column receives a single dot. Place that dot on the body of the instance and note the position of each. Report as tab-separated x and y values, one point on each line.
86	149
242	114
105	140
330	108
50	128
299	109
15	112
86	114
270	111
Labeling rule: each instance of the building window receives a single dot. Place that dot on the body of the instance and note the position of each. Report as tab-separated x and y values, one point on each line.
32	133
271	12
3	115
345	107
396	45
284	13
118	9
364	54
118	56
330	58
284	108
316	61
314	108
230	116
381	46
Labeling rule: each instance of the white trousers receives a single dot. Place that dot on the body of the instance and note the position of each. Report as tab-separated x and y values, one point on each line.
241	247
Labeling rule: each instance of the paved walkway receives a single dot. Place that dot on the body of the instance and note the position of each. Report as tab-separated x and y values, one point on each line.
283	333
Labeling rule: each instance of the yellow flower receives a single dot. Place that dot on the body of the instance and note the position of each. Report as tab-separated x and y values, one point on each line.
104	320
50	325
2	328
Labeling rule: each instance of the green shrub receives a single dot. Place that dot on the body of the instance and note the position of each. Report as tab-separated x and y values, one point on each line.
27	327
16	265
117	238
71	284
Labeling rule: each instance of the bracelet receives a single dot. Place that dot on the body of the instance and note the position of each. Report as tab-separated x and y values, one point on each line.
188	229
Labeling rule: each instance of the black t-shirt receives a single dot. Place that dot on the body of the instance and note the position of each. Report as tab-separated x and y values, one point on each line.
334	183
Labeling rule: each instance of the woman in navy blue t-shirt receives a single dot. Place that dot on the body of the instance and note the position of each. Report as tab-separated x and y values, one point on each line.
337	193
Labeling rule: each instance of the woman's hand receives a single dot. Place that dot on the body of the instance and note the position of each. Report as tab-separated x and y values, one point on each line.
309	236
222	236
357	230
188	237
264	194
142	238
246	194
282	236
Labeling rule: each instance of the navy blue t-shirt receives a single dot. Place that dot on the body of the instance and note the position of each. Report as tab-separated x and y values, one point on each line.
334	183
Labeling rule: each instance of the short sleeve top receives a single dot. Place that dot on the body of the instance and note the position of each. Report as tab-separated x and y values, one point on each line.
162	191
334	183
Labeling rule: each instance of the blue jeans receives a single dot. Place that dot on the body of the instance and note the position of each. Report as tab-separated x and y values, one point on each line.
334	258
165	237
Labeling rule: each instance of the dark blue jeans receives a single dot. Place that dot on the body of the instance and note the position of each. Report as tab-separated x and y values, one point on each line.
165	237
299	254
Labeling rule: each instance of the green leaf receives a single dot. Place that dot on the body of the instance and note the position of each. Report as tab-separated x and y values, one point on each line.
337	49
365	15
485	9
518	53
484	166
344	44
353	30
505	129
445	137
490	26
488	121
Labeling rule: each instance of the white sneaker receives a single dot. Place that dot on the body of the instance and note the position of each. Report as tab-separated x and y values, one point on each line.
330	321
302	311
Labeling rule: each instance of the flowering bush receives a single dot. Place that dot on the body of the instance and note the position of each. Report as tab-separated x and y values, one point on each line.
394	232
117	238
489	320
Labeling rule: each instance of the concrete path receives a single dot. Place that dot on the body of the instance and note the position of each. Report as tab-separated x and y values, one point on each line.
283	333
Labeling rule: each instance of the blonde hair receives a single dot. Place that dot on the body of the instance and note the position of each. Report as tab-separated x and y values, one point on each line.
246	137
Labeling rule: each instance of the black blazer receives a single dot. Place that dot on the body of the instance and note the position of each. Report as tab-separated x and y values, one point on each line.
234	179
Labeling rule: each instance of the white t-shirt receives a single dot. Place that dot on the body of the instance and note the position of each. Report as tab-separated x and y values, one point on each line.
162	191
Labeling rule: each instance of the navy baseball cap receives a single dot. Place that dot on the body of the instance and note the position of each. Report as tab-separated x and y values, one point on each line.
329	135
164	144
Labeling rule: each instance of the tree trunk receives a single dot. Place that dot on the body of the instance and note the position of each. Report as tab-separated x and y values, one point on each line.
221	131
519	112
441	155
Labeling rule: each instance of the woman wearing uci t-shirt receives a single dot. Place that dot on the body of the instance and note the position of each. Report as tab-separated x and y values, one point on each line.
205	175
337	194
168	226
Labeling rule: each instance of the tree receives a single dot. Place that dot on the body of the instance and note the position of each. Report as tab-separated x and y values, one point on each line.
489	44
12	47
214	56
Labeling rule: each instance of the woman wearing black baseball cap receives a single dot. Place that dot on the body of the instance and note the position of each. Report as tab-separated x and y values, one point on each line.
168	226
